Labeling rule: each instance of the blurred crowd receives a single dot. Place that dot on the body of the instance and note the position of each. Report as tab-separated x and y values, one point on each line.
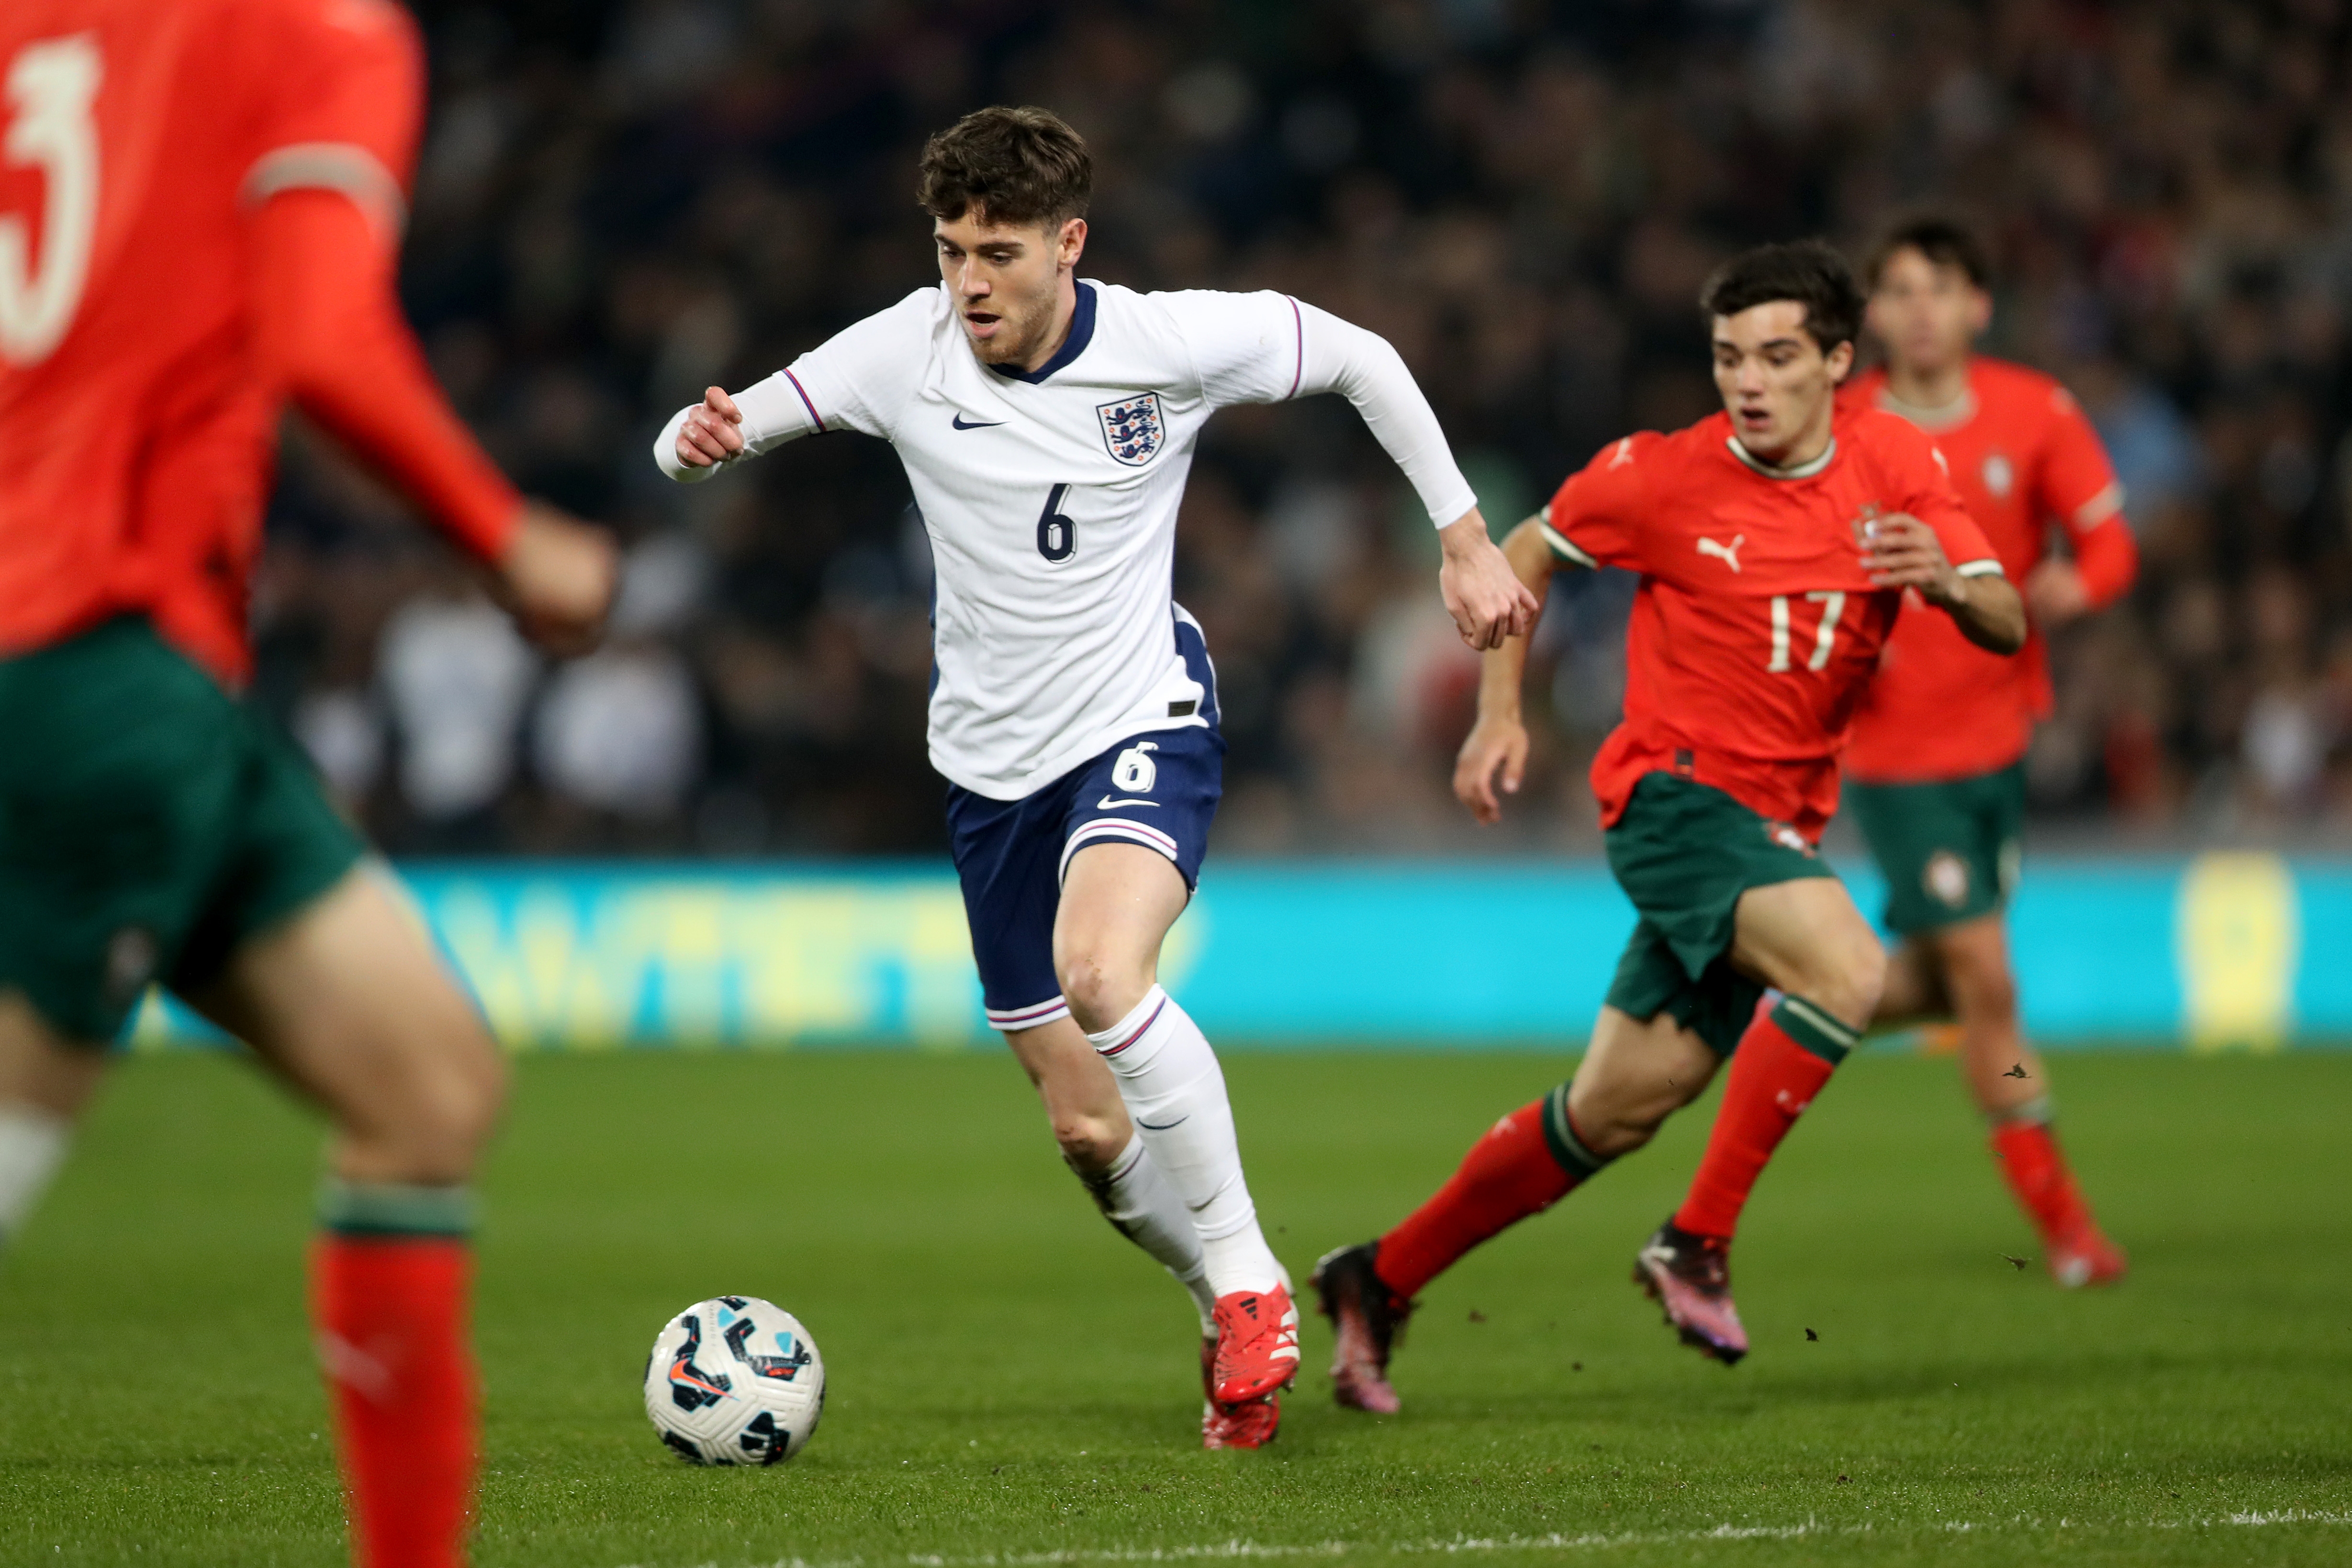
621	202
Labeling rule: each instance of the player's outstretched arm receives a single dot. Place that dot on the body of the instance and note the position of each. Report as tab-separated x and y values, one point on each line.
1495	754
1904	553
328	324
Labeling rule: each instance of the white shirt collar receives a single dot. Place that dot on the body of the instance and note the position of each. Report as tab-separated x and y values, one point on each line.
1951	415
1805	470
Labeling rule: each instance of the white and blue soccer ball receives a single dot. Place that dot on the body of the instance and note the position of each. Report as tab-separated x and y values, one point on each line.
735	1381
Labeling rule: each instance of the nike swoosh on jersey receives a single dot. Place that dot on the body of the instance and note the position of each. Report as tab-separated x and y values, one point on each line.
1106	803
960	423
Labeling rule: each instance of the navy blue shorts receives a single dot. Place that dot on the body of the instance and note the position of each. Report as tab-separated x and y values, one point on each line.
1158	788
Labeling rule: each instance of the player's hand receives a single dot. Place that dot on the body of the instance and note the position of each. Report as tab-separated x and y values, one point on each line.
557	579
1484	595
713	431
1901	552
2054	591
1493	743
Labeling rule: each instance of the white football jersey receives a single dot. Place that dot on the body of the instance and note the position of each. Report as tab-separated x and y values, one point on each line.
1050	497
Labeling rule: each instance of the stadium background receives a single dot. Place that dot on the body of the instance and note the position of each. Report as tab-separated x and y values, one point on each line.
620	202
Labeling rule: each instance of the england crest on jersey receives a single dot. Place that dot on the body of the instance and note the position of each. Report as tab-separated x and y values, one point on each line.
1132	428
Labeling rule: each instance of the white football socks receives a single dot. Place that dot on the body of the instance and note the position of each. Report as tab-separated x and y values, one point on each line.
1135	1198
1176	1093
32	1145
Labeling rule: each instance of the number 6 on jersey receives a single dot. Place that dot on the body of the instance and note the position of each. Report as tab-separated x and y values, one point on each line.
1057	536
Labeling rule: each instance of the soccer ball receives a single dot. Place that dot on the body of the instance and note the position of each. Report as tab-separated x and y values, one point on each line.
735	1381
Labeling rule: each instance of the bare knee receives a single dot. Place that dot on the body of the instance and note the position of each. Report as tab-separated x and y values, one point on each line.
1100	987
1845	975
1981	985
428	1126
1090	1143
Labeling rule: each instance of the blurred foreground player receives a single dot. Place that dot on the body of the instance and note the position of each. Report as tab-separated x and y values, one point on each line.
1776	542
198	211
1936	769
1047	424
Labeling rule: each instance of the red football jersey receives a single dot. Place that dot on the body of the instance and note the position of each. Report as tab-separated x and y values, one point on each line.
2023	456
1755	629
136	422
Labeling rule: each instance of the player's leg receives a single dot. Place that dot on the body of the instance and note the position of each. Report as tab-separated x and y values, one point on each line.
1118	900
1914	992
2012	1088
347	1001
45	1080
1949	852
1634	1074
1102	1148
1804	938
1008	856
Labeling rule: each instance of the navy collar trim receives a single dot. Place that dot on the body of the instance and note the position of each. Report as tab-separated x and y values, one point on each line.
1082	332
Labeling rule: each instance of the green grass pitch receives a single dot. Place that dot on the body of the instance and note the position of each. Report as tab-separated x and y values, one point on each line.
1011	1383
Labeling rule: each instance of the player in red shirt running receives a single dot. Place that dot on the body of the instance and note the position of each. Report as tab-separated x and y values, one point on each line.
1934	773
199	205
1776	542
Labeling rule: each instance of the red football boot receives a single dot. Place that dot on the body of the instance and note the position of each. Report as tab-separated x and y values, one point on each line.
1257	1345
1250	1426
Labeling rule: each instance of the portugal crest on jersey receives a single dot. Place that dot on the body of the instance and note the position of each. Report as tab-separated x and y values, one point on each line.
1132	428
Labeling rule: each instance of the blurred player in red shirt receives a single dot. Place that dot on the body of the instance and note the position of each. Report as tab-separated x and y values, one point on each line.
1935	773
1777	542
200	202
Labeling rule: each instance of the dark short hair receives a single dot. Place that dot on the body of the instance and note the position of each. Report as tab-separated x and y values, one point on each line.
1942	238
1809	271
1008	165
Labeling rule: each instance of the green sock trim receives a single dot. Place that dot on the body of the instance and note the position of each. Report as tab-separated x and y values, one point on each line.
1812	1027
1559	1137
356	1208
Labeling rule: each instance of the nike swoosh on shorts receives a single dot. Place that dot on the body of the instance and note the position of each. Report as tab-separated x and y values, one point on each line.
1106	803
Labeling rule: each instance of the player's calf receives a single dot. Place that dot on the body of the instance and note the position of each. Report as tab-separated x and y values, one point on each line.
45	1081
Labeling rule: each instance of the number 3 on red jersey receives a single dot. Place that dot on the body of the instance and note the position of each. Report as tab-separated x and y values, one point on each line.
50	89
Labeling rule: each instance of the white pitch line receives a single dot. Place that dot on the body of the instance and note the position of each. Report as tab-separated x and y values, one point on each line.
1591	1541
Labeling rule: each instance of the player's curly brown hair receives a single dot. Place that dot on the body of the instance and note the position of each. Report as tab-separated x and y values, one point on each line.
1010	166
1809	271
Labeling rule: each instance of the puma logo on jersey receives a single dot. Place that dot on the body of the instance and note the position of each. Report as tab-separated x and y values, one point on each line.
1624	453
1726	553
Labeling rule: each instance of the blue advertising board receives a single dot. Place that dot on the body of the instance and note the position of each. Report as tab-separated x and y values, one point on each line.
2215	951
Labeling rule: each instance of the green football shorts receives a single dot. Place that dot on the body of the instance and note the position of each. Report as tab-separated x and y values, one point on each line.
1684	852
1948	850
149	823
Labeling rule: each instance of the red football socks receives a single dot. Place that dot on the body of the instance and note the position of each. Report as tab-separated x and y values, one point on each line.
2036	1172
1527	1161
1783	1059
390	1312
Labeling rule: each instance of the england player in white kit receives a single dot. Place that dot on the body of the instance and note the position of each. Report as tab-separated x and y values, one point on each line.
1047	424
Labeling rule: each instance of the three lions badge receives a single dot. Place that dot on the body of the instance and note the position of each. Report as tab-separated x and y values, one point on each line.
1132	428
